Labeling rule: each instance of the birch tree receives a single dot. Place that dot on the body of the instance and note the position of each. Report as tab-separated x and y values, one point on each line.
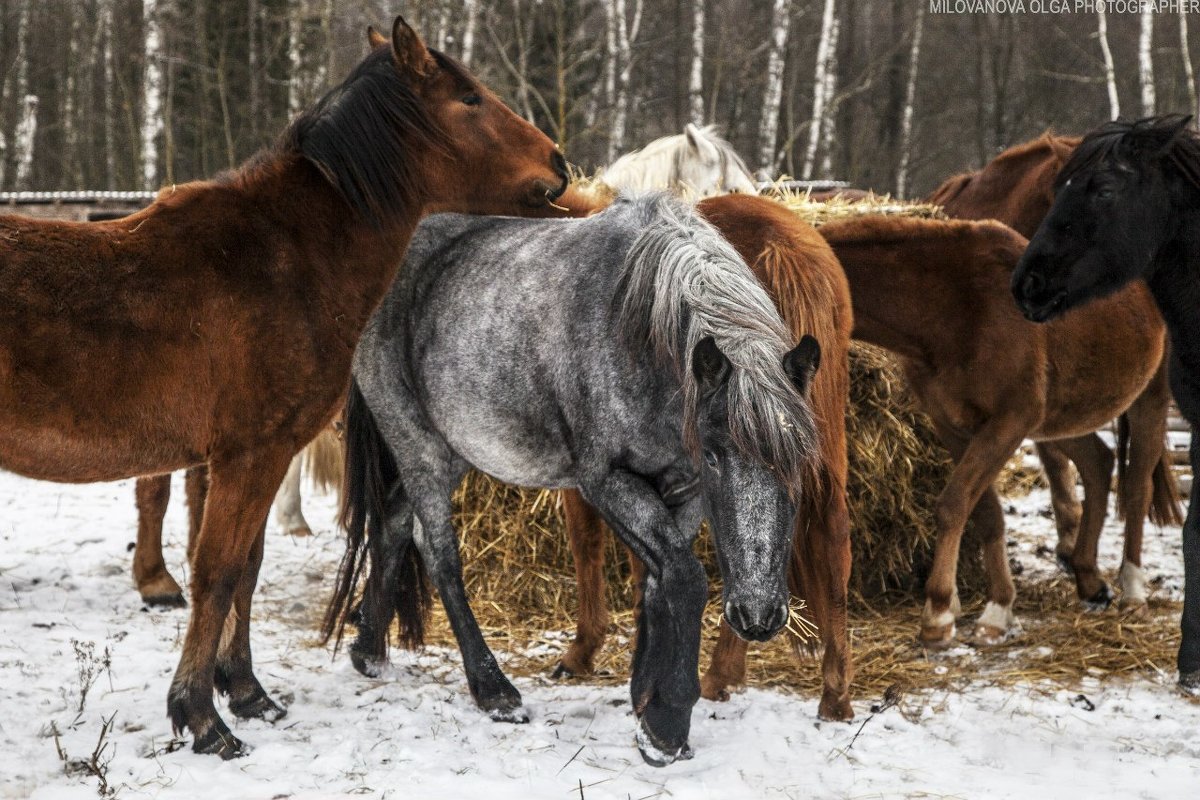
1185	52
828	125
624	32
1146	61
471	10
696	77
24	139
910	95
768	127
1110	75
16	90
152	118
826	64
110	102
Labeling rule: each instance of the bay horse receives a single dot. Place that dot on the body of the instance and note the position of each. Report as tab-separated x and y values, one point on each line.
1017	188
218	325
631	355
935	294
697	163
1127	210
157	587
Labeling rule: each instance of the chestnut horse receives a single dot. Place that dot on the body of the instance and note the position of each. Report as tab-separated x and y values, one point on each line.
217	325
803	278
1017	188
935	293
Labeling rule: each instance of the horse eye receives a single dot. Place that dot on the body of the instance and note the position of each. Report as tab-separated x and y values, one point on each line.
472	99
1105	194
711	459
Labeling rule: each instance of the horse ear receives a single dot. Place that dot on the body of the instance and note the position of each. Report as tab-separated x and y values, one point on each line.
709	365
694	136
374	38
409	51
801	362
1174	128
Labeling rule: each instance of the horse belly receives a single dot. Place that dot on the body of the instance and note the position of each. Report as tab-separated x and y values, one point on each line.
515	456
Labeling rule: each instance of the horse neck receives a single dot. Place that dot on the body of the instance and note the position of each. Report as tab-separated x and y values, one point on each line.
338	253
1174	280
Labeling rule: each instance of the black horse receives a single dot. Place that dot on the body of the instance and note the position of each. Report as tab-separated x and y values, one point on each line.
1128	207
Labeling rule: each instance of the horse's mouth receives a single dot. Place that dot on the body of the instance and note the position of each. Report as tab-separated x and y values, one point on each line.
554	194
1046	311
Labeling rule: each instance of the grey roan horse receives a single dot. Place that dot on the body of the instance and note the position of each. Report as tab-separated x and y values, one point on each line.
632	355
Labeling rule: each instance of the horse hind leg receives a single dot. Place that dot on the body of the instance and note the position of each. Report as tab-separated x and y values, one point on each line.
1068	511
1146	484
585	532
1094	461
377	609
154	582
997	623
288	513
224	565
437	545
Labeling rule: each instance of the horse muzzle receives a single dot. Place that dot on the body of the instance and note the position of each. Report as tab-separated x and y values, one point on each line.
756	621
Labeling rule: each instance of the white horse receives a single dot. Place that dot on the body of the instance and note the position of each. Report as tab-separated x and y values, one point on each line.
696	163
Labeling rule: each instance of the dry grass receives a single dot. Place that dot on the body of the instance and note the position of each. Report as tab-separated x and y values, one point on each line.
817	213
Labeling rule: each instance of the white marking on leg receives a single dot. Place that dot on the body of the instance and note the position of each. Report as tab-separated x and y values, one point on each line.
999	617
1132	581
288	514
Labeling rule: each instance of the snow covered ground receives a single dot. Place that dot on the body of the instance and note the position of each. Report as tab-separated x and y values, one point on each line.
68	608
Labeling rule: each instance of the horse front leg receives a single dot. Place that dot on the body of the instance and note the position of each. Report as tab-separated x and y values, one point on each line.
154	583
977	464
585	532
224	563
288	514
665	686
1094	461
1189	647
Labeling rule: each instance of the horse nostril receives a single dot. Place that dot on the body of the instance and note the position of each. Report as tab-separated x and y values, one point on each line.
1033	284
559	164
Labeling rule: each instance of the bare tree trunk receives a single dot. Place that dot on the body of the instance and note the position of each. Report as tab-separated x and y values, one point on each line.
152	121
296	95
1110	75
828	124
696	79
471	9
768	128
1146	61
72	176
24	140
110	103
825	59
443	26
910	94
1185	51
626	32
253	78
16	92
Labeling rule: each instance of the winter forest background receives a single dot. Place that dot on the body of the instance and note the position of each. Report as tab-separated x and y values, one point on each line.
887	94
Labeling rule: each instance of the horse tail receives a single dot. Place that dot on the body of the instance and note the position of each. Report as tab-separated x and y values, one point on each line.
1164	503
370	476
1122	458
325	461
1164	498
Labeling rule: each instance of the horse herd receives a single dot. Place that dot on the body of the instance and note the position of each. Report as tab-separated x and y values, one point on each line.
663	363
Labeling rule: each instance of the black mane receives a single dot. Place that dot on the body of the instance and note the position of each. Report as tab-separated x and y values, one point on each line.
364	133
1165	135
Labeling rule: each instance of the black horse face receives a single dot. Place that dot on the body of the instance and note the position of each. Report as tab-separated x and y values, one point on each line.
1106	226
750	510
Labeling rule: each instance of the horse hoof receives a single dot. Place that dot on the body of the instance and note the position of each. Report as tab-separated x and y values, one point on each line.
654	752
513	716
835	709
1100	601
938	637
258	706
368	666
714	689
299	531
1189	682
989	636
1064	563
174	600
221	743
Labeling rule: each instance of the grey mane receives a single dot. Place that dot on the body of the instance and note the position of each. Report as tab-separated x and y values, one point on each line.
681	281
